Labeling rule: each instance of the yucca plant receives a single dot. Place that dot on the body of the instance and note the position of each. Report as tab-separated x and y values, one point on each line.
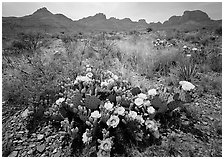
187	69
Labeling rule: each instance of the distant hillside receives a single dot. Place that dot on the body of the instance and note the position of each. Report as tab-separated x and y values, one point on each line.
43	20
99	22
189	20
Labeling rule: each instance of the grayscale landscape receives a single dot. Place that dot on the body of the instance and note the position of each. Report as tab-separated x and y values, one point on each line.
101	86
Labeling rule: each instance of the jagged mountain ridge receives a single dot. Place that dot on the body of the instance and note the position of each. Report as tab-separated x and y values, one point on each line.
44	20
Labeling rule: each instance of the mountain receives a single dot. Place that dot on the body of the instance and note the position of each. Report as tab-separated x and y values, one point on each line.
189	20
40	20
196	16
101	23
43	20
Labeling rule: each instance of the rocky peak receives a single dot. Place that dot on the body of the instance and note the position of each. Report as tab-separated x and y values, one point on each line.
43	12
142	21
100	16
195	15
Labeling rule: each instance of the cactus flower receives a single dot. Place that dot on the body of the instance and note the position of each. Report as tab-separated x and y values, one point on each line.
106	144
108	105
132	114
152	92
138	101
151	125
150	110
142	95
89	74
187	86
120	110
60	100
88	69
95	114
113	121
85	138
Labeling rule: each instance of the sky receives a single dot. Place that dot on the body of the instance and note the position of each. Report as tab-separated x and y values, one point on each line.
150	11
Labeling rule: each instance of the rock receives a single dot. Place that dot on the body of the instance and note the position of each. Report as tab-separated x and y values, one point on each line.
32	145
18	136
48	139
30	152
41	148
24	154
204	122
55	150
40	137
57	154
19	148
13	154
21	132
25	113
20	141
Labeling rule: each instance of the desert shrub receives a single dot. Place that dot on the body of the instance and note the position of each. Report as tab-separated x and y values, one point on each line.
31	40
199	57
164	60
102	50
215	62
173	34
192	38
211	84
218	31
148	29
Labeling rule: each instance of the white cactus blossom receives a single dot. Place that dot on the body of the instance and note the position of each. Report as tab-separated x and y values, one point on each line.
95	114
120	110
187	86
113	121
138	101
140	119
132	114
89	74
115	77
108	105
152	92
104	84
150	110
194	49
142	95
88	69
147	103
60	100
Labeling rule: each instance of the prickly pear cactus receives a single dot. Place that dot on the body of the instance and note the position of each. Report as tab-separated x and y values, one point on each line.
135	91
159	104
92	102
76	100
174	104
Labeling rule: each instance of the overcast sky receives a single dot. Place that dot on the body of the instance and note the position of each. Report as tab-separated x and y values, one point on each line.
150	11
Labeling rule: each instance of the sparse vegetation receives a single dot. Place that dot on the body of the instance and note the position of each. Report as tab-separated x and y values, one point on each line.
68	82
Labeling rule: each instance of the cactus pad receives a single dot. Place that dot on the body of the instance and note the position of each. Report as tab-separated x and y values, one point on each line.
112	98
174	104
135	91
158	104
92	102
125	103
76	100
